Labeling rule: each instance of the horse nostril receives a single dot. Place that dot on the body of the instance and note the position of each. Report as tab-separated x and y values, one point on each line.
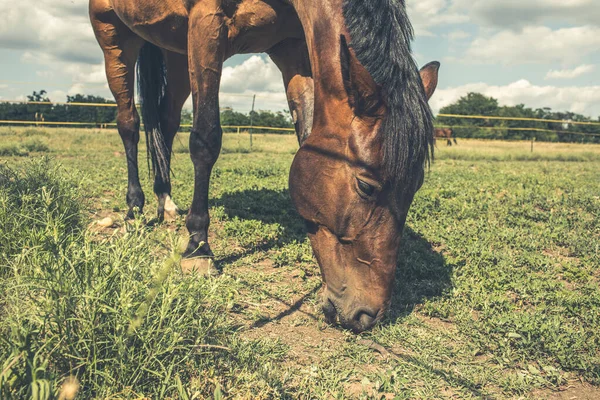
365	319
329	311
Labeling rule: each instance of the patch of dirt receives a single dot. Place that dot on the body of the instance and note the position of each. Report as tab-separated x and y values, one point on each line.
308	339
356	389
573	391
439	324
560	254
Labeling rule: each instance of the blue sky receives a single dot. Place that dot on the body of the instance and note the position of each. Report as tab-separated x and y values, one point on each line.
543	53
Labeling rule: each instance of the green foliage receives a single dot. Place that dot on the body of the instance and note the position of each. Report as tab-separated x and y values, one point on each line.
23	148
59	113
478	104
280	119
12	151
497	290
105	311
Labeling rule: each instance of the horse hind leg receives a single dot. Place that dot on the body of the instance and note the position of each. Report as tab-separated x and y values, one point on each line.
121	47
176	93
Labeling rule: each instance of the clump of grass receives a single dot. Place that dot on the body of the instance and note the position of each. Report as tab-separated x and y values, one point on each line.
35	132
180	149
239	150
7	131
36	145
38	209
108	312
12	151
23	149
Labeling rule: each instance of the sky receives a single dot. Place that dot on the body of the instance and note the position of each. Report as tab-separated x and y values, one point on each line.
542	53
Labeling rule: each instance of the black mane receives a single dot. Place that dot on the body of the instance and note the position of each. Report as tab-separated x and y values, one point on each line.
381	35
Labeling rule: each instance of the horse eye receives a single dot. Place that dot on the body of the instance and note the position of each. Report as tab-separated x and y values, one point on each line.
368	190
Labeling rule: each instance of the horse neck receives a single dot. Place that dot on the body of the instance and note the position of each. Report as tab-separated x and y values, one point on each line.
323	26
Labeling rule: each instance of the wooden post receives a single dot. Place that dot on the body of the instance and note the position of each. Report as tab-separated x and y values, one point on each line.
251	118
532	140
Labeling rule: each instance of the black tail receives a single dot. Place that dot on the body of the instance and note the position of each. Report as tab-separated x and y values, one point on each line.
152	82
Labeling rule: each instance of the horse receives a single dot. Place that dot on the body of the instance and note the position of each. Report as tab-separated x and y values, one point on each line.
445	133
358	101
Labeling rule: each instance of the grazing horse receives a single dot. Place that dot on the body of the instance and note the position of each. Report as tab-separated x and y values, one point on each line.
445	133
357	98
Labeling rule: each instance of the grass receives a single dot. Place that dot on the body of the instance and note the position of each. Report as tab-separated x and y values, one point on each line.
23	148
497	290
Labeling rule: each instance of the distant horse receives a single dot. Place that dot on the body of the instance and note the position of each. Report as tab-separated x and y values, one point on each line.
445	133
356	96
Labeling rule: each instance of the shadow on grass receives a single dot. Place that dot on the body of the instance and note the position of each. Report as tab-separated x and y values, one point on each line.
422	274
422	271
267	206
270	207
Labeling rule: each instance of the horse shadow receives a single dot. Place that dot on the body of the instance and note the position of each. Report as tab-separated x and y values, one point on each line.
422	271
422	274
267	206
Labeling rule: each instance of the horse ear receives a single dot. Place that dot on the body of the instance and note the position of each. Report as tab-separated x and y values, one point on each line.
362	90
429	76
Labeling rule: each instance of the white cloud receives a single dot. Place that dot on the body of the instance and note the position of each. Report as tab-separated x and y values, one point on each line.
516	14
255	76
425	14
538	44
583	100
457	35
57	30
256	73
570	73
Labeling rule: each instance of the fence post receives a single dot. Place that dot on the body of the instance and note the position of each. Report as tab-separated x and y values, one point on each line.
251	118
532	140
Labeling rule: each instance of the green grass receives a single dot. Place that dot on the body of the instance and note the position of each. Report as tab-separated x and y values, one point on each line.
497	292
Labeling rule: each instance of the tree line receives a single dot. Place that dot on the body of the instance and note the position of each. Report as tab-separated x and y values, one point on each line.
471	104
59	112
478	104
106	115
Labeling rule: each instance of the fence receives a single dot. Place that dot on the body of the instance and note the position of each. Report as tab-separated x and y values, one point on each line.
252	128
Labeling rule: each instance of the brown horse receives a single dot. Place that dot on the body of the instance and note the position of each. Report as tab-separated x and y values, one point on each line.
356	96
445	133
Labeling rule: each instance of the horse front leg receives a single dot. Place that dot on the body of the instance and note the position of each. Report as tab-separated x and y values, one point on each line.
207	40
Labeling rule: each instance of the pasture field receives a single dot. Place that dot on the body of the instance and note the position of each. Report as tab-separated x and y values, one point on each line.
497	292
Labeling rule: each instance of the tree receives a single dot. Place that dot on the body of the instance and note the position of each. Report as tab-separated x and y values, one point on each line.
38	97
478	104
471	104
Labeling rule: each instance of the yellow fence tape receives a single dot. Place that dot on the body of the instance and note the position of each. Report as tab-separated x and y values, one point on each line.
558	121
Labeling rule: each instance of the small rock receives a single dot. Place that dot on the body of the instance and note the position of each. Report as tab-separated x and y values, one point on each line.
106	222
200	265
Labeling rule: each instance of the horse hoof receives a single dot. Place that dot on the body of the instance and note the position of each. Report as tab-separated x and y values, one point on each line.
203	266
171	210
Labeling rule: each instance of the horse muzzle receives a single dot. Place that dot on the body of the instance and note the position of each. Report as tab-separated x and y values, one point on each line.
349	314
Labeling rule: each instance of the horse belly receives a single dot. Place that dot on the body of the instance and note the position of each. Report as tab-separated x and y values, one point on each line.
257	26
161	22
